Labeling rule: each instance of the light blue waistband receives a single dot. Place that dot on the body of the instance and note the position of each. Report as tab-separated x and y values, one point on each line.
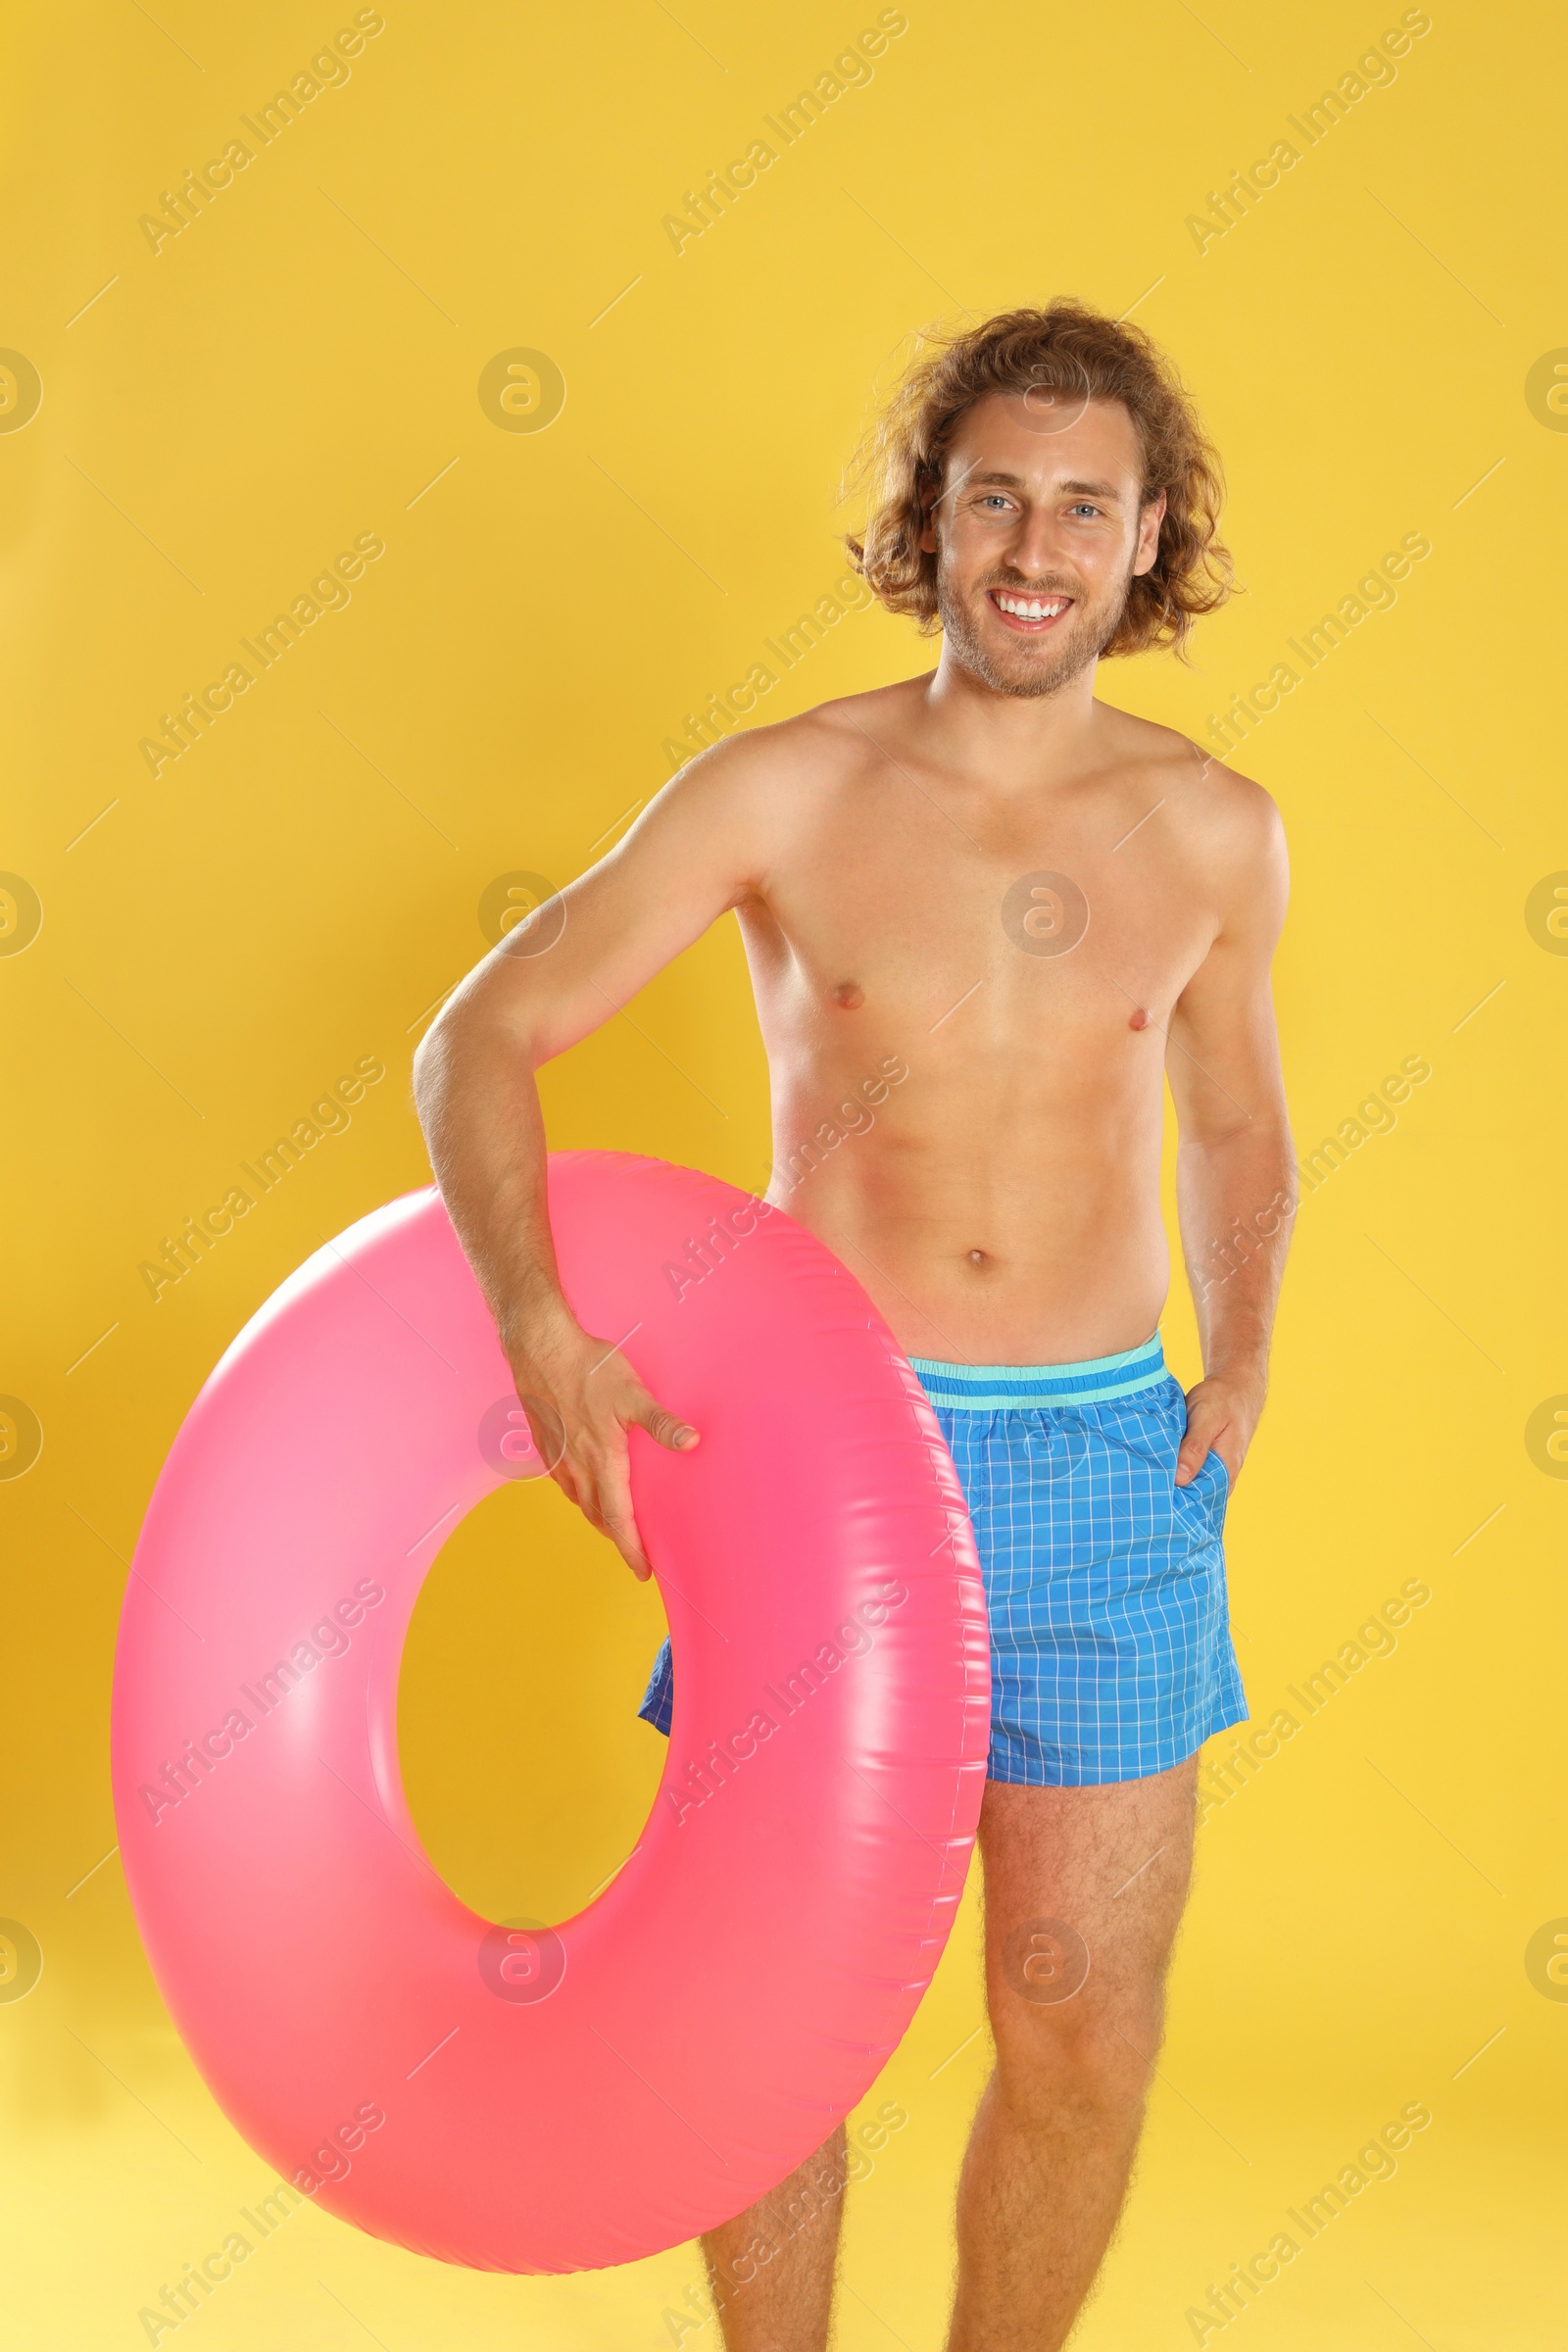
998	1388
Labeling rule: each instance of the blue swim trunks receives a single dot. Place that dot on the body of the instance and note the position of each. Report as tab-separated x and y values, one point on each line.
1105	1581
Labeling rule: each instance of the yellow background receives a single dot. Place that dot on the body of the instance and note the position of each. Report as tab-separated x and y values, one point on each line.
300	365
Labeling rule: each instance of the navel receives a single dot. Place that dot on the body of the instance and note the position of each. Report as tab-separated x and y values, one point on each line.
980	1259
850	995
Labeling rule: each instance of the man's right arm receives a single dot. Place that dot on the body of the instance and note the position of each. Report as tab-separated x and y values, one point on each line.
702	846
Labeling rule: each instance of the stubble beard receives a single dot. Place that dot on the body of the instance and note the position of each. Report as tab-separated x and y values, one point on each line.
1041	666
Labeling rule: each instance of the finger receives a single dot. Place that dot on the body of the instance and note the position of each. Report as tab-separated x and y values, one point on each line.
624	1535
616	1519
579	1484
589	1506
665	1428
622	1529
1196	1448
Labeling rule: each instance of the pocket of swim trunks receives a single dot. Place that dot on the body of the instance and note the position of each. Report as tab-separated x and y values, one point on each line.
1207	1492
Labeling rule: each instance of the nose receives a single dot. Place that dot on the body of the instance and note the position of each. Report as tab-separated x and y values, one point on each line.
1036	547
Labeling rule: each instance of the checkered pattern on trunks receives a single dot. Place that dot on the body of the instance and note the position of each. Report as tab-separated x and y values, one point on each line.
1110	1645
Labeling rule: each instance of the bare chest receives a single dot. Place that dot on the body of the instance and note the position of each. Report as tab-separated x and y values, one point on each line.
1007	927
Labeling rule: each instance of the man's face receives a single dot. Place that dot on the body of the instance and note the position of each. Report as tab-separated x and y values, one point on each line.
1039	509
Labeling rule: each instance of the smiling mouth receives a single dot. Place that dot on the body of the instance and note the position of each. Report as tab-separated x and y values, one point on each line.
1032	615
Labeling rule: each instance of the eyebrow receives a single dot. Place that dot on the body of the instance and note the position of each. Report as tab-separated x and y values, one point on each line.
1015	481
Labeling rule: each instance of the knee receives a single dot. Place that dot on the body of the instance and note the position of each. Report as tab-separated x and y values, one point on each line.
1094	2058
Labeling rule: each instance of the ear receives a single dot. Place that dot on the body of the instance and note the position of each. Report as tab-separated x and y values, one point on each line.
929	492
1149	521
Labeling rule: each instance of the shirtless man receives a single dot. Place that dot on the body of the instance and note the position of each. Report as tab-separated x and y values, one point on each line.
1044	909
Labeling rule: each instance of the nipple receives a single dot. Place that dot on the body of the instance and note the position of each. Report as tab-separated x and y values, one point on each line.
849	995
1139	1019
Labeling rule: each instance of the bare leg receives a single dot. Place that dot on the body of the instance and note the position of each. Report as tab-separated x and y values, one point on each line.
1075	1879
771	2268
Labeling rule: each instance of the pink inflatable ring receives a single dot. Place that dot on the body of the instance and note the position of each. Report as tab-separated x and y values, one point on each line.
566	2098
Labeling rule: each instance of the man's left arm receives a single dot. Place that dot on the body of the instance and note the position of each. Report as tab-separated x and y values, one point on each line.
1236	1184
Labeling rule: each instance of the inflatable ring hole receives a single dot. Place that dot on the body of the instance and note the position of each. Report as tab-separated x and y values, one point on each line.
526	1767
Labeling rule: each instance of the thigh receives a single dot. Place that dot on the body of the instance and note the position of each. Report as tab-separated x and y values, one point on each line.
1084	1890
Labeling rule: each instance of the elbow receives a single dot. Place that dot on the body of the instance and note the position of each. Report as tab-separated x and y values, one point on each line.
421	1072
444	1046
471	1035
429	1063
434	1050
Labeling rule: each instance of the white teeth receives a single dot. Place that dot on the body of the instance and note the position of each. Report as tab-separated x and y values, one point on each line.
1032	610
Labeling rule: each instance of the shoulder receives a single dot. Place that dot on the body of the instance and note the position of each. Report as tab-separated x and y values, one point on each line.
1241	819
743	804
830	745
1240	838
1235	820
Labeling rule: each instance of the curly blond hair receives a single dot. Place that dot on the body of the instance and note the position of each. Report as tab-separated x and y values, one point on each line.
1070	349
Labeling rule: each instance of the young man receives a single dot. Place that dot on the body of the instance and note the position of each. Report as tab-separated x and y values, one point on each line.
1039	909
